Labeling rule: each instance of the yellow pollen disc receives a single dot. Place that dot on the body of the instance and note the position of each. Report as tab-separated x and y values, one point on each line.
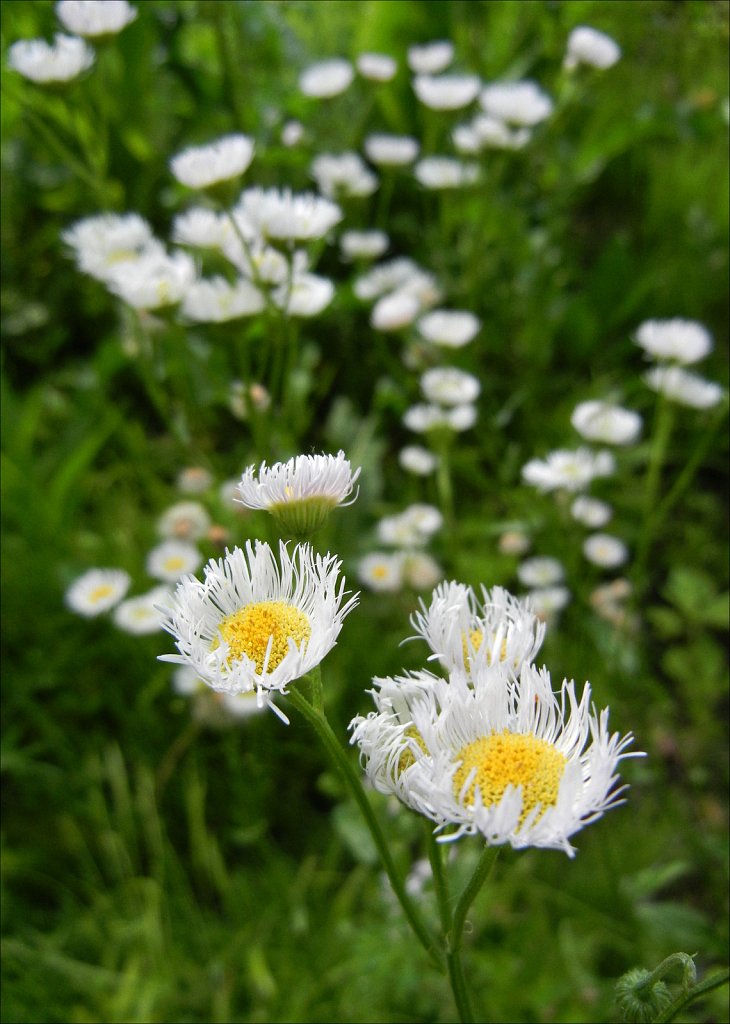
174	563
508	759
407	758
476	637
249	630
379	572
100	592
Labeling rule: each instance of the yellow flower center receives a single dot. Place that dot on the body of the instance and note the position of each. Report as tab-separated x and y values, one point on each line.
100	592
174	563
509	759
476	638
407	758
249	630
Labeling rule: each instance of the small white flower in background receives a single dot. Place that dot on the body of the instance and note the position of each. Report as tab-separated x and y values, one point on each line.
507	759
513	542
591	511
194	480
301	492
363	245
327	78
343	174
418	460
450	386
570	470
605	550
391	150
97	591
292	133
589	46
608	601
186	681
106	240
683	341
423	417
601	421
307	295
240	705
242	397
420	570
417	877
495	134
262	263
153	280
395	311
548	601
540	572
686	388
228	494
172	559
202	228
466	140
286	215
446	92
463	629
517	103
94	18
437	172
43	64
187	520
256	623
378	67
215	300
385	277
141	615
430	58
381	572
451	328
200	167
413	527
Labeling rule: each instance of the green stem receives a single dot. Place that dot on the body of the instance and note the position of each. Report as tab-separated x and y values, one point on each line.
685	477
321	726
481	873
453	955
696	992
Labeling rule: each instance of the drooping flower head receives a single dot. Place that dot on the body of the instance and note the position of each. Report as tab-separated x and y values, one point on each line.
299	493
201	167
95	18
257	624
45	63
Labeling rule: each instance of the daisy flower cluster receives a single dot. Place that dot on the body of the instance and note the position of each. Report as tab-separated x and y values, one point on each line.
672	345
489	748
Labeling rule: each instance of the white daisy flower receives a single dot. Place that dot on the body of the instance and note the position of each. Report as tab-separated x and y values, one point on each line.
378	67
548	601
495	134
292	133
395	311
153	280
214	300
421	571
446	92
302	492
416	459
466	140
385	277
423	417
516	103
306	295
683	341
381	572
391	150
570	470
463	630
172	559
601	421
452	328
93	18
284	215
513	542
450	386
540	572
201	228
194	480
255	624
101	242
412	527
187	520
507	759
430	58
186	681
141	615
343	174
604	550
200	167
363	245
679	385
589	46
326	78
591	511
97	591
437	172
42	63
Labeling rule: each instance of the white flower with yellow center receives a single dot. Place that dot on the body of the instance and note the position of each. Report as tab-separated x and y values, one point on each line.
568	470
153	280
464	631
42	63
97	591
103	241
143	614
257	624
381	572
507	758
199	167
172	559
94	18
605	550
302	492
